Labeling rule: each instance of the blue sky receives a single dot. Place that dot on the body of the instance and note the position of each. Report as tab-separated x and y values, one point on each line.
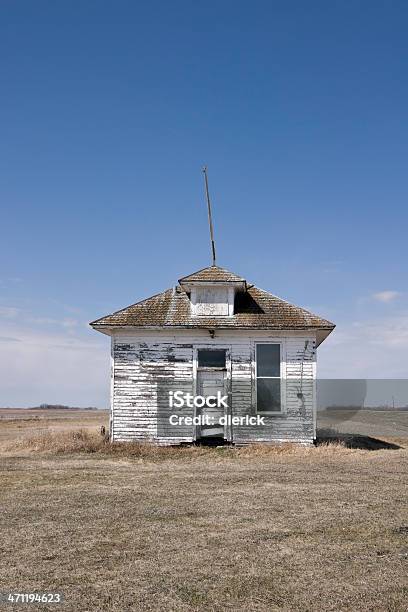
108	112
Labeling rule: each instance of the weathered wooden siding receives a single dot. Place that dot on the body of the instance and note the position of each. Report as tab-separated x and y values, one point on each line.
147	365
144	373
298	393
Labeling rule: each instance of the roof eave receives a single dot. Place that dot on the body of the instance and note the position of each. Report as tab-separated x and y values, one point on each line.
112	327
322	333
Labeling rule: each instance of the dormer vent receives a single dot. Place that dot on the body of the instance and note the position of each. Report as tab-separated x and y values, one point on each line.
212	291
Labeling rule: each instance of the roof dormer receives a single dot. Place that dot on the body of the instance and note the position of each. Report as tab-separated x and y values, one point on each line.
212	291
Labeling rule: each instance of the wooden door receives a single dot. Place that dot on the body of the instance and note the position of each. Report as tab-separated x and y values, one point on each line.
211	383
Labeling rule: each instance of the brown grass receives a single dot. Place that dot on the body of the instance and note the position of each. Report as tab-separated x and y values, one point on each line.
55	442
83	441
20	423
136	527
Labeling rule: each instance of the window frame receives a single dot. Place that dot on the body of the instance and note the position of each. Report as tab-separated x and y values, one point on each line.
281	378
212	348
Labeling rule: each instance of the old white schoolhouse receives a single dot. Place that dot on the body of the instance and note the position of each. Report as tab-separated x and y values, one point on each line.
213	335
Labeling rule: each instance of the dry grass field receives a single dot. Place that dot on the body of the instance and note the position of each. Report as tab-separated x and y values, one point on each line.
388	423
135	528
17	423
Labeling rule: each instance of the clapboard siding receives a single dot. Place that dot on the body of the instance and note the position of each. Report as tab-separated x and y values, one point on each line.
148	365
144	373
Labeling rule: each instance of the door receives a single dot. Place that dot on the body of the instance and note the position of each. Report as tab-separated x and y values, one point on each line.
212	385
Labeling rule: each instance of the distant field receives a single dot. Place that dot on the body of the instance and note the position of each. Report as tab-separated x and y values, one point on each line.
376	423
192	529
17	422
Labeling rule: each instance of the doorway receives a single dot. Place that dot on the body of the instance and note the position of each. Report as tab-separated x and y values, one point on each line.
212	381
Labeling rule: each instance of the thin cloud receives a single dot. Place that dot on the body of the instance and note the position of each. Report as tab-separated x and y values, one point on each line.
375	348
385	296
66	322
9	312
13	280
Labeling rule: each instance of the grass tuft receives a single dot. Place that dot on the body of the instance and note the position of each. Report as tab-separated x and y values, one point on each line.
84	441
291	449
73	441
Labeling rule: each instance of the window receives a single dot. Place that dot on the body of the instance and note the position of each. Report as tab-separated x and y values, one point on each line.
209	358
268	373
212	301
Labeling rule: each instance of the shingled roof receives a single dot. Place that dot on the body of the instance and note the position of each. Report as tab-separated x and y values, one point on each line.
213	274
254	309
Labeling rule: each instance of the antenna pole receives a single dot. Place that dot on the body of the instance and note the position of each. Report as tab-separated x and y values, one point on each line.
209	215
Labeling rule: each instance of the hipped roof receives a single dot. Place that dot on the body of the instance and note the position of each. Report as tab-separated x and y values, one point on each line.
253	309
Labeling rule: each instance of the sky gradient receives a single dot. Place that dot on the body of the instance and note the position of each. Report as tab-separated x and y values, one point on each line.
108	112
